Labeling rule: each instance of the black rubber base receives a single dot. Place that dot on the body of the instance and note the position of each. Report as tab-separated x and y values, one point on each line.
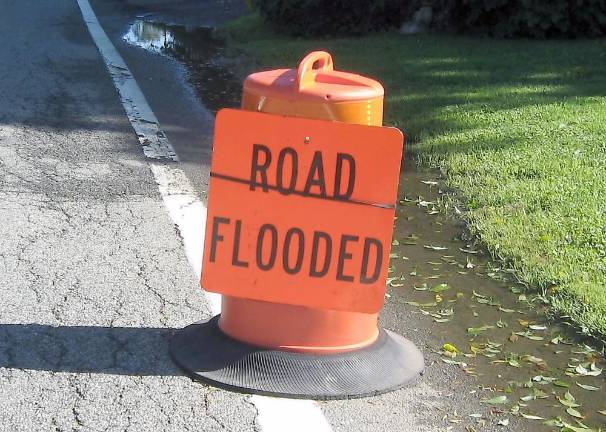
207	354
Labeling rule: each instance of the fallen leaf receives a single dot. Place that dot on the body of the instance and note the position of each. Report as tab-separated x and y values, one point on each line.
543	379
440	288
528	335
515	409
469	251
450	348
514	363
534	360
574	413
454	362
566	427
435	248
531	417
496	400
430	304
568	403
478	330
588	387
592	371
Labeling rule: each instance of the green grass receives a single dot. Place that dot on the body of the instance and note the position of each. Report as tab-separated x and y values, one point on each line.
517	127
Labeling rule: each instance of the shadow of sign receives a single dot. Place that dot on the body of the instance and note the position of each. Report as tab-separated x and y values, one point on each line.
87	349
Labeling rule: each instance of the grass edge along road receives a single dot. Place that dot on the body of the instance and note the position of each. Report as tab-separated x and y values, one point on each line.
518	129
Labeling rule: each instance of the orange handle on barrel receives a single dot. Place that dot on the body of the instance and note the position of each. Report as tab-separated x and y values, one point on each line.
314	61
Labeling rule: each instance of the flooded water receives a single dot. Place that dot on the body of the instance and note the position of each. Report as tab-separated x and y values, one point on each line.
198	51
486	324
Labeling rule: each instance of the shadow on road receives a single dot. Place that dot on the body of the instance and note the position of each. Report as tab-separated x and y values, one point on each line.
87	349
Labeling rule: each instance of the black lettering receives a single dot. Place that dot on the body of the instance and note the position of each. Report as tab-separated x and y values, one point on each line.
344	157
343	256
215	237
274	247
236	252
257	169
364	278
313	270
286	252
316	175
294	159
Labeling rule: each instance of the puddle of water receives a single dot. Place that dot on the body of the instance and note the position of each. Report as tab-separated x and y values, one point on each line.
501	332
198	51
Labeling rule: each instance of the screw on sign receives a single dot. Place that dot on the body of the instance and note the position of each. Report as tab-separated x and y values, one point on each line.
298	233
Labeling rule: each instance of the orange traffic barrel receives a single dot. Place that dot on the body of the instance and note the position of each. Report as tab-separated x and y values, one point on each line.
291	348
313	90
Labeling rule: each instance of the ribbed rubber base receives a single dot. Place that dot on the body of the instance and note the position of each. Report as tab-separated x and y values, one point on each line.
207	354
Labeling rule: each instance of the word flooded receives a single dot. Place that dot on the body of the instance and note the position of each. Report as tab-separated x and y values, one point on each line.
293	252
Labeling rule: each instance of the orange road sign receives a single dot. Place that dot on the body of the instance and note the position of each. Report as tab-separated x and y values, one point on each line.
301	211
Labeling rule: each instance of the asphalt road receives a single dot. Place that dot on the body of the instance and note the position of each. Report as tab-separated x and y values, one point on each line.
93	274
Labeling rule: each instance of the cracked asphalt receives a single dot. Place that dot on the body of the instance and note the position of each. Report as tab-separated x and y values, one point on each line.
93	274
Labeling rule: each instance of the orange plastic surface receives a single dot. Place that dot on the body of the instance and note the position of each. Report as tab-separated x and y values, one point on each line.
301	213
314	80
364	112
296	328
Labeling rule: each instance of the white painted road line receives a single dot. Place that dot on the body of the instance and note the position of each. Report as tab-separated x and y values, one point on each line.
188	213
288	415
142	118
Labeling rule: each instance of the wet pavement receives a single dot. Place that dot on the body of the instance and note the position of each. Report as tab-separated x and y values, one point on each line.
527	370
198	51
